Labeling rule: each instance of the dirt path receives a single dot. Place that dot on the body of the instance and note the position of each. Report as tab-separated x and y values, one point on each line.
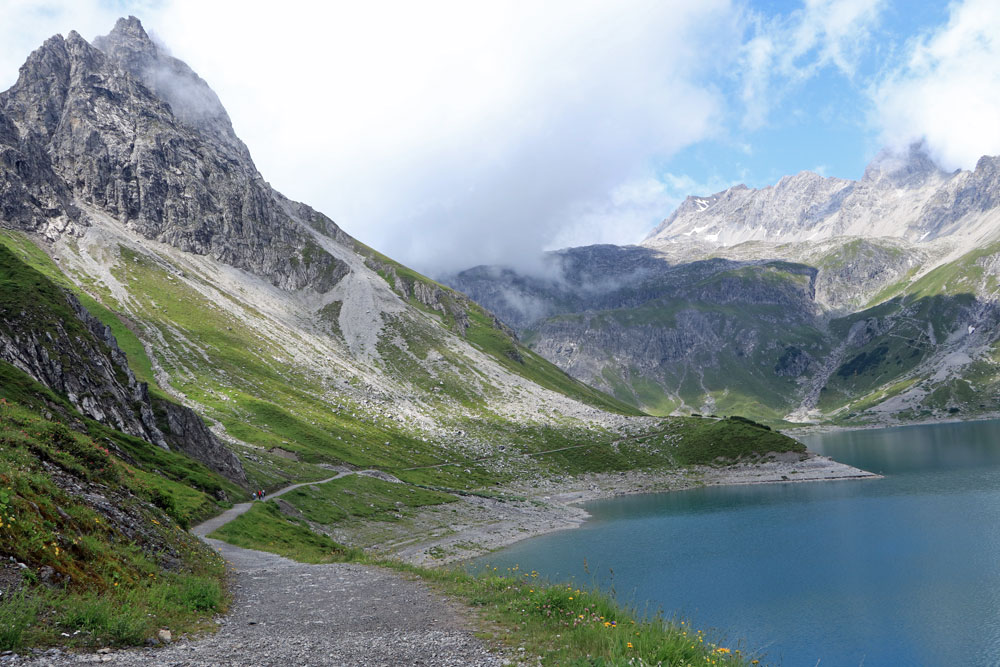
287	613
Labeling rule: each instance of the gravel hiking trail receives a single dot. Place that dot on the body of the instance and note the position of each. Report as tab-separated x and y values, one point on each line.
291	614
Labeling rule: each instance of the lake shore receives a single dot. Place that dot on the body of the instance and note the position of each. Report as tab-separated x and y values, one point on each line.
442	535
810	429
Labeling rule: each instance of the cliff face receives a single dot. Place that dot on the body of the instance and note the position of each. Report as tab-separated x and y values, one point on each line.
134	133
47	333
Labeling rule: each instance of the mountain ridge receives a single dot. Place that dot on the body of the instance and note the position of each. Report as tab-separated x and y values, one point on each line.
904	196
692	300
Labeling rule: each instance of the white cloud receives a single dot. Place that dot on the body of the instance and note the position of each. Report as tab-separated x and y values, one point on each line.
786	50
449	132
948	89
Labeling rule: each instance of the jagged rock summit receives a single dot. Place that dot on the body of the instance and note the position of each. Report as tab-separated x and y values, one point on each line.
123	129
190	98
905	196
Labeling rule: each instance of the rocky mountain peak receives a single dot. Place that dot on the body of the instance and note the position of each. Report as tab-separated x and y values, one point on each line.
903	194
128	29
129	45
911	168
190	98
125	130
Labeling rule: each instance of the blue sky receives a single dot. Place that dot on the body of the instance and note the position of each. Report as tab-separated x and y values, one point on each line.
822	123
448	133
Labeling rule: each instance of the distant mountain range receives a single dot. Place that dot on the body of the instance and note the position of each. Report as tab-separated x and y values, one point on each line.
816	299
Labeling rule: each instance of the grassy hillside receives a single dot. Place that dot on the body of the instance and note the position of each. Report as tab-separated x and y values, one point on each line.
918	344
481	329
98	527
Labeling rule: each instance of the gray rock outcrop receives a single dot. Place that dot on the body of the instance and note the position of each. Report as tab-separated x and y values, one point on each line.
51	336
129	130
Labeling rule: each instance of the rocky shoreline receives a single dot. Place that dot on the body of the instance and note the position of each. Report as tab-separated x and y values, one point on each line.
530	509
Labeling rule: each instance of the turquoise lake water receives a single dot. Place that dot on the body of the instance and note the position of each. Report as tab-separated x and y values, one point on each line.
899	571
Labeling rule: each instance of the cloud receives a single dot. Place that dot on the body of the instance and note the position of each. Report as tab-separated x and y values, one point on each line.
452	133
786	50
947	90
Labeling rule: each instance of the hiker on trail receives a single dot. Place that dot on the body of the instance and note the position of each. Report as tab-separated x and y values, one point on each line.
262	494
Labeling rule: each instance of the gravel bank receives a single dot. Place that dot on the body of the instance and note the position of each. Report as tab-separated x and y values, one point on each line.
484	525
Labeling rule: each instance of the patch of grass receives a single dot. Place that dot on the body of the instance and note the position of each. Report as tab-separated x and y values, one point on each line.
563	624
360	496
18	612
119	616
70	507
704	441
265	528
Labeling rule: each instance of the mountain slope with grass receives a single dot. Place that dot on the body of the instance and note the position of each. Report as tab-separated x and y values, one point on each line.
816	300
93	528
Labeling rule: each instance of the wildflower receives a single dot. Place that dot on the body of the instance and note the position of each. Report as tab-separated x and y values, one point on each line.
570	597
722	649
630	644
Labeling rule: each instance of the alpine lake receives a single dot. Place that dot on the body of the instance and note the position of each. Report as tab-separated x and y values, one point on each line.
903	570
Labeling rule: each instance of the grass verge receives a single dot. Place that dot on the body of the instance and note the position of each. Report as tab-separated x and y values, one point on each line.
121	616
564	625
105	559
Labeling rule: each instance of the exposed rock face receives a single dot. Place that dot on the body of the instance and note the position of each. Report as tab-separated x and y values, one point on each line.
135	133
55	340
84	364
898	196
185	431
32	197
